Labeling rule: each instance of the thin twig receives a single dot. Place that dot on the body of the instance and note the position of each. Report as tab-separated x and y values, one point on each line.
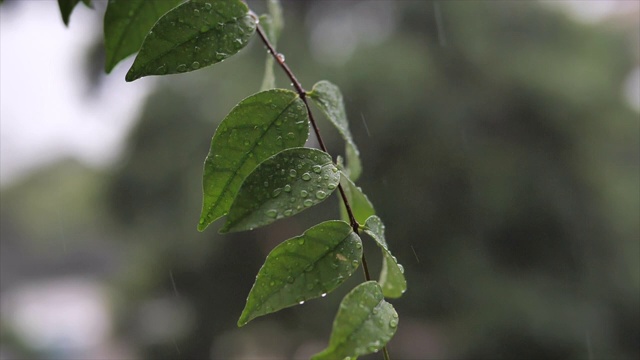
303	95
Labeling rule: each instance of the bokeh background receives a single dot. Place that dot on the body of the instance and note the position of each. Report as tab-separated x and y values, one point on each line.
500	143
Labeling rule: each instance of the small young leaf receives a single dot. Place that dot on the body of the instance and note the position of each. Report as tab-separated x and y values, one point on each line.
258	127
127	22
272	25
392	275
303	268
195	34
67	6
329	99
281	186
269	79
360	205
364	324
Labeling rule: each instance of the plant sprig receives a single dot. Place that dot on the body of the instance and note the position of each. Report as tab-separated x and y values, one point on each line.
257	170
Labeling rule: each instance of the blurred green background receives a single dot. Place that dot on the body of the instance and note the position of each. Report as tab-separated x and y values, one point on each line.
497	147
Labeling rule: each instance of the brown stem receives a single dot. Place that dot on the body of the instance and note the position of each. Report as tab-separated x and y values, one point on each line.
303	95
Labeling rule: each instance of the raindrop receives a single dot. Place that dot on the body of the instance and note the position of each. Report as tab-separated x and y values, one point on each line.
317	169
301	302
308	202
290	279
301	241
304	193
401	268
306	177
355	263
288	212
287	188
207	6
291	135
331	186
358	245
280	57
293	173
321	194
182	68
393	323
196	12
162	70
272	213
195	65
323	294
276	192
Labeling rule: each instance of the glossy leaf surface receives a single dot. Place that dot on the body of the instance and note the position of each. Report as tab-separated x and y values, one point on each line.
193	35
258	127
392	275
127	22
363	325
329	99
360	205
281	186
303	268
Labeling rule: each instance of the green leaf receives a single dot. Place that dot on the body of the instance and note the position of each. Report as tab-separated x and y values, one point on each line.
303	268
281	186
127	22
67	6
392	275
329	99
195	34
364	324
269	79
272	25
360	205
258	127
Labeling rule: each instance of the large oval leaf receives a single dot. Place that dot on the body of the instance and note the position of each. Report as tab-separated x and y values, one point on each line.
281	186
258	127
195	34
392	275
127	22
329	99
303	268
363	325
360	205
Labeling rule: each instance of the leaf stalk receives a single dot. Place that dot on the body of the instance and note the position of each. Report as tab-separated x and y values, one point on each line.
303	95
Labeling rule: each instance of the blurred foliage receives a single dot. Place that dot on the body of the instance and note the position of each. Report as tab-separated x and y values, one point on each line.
499	153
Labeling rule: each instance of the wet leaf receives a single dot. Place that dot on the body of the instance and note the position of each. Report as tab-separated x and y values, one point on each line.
392	275
329	99
258	127
363	325
127	22
360	205
283	185
193	35
304	268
